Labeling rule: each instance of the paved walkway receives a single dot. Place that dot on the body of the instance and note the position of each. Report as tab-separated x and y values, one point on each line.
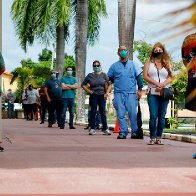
42	160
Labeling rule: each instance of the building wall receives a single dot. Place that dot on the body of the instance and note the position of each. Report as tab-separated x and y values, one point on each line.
6	78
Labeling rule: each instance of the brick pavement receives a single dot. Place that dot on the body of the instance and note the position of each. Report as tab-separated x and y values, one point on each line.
42	160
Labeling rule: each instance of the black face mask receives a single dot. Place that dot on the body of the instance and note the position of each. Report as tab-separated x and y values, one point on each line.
157	55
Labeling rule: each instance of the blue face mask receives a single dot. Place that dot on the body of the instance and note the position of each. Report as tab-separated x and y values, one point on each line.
53	75
96	69
69	73
123	54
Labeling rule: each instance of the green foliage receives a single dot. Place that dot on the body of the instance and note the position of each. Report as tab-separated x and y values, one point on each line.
179	88
27	63
36	73
174	123
142	50
46	55
69	61
38	19
96	9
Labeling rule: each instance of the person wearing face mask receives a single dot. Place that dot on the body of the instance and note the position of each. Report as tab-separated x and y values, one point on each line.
96	82
31	95
158	74
124	74
10	98
53	92
69	85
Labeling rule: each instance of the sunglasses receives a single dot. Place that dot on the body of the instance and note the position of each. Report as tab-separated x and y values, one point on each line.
96	65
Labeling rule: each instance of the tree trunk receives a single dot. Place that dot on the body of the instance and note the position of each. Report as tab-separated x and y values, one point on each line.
126	24
80	51
60	47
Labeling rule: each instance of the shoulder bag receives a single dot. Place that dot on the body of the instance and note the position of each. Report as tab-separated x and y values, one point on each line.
166	93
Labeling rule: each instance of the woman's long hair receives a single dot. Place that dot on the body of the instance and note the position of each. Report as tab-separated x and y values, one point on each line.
165	60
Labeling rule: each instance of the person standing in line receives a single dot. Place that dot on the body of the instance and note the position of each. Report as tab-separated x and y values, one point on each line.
10	98
53	91
25	103
69	85
32	97
2	69
43	107
97	80
124	74
158	74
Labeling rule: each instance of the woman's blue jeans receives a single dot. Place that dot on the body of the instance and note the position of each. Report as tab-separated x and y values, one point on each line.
157	108
98	100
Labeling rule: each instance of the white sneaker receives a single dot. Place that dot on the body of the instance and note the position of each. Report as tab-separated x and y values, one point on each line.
106	132
92	132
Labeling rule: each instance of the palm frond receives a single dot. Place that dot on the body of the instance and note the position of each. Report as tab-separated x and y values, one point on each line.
96	10
23	15
62	10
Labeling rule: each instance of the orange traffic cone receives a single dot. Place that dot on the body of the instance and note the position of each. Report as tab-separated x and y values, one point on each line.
116	128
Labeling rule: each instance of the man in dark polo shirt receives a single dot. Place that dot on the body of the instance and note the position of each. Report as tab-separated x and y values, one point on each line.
53	91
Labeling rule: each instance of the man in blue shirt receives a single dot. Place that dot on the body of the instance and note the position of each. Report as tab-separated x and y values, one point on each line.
53	92
69	85
125	74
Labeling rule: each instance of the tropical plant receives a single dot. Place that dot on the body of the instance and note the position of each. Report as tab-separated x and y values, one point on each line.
142	50
87	15
50	19
45	20
36	73
126	24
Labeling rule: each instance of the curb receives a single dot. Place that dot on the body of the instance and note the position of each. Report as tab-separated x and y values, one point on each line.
176	137
170	136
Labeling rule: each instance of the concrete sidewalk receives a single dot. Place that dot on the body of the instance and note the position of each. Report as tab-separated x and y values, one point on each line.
42	160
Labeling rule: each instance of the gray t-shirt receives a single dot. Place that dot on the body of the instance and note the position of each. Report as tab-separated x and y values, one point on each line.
32	96
11	98
96	82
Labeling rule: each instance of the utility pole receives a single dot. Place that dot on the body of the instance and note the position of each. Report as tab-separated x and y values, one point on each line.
1	127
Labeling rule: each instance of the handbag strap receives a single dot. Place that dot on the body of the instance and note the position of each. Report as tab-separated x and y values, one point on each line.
158	74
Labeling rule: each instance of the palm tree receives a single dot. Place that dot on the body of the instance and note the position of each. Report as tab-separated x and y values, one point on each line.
42	19
80	51
86	30
126	24
43	16
49	20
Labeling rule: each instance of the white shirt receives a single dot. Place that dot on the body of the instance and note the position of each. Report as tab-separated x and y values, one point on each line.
157	74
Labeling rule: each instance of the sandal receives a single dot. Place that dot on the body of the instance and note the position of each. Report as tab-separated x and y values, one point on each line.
159	142
151	142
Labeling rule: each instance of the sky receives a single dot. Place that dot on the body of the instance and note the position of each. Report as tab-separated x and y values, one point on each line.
149	21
